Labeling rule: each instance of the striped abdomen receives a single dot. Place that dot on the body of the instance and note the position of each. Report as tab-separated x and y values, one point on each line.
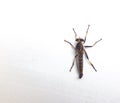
79	51
80	65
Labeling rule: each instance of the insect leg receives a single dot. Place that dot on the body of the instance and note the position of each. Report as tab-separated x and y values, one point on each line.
86	33
75	33
89	60
73	62
93	44
69	43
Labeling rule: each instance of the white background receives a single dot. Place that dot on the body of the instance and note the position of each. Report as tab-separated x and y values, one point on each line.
35	60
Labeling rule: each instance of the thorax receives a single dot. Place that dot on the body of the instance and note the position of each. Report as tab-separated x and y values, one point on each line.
79	47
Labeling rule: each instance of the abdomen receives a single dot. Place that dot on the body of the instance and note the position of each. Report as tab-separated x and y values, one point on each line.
80	65
79	51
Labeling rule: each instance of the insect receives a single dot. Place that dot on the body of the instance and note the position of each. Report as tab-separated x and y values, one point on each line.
79	51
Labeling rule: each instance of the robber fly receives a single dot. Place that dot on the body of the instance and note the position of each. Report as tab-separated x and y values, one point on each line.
79	51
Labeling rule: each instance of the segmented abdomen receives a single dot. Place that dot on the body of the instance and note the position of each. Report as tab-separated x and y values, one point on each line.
79	51
80	65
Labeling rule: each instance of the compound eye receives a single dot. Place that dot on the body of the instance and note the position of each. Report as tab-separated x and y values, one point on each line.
82	40
77	39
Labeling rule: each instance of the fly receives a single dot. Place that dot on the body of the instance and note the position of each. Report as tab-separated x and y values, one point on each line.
79	51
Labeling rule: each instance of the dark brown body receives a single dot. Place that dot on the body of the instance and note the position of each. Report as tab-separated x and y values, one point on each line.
79	51
79	58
